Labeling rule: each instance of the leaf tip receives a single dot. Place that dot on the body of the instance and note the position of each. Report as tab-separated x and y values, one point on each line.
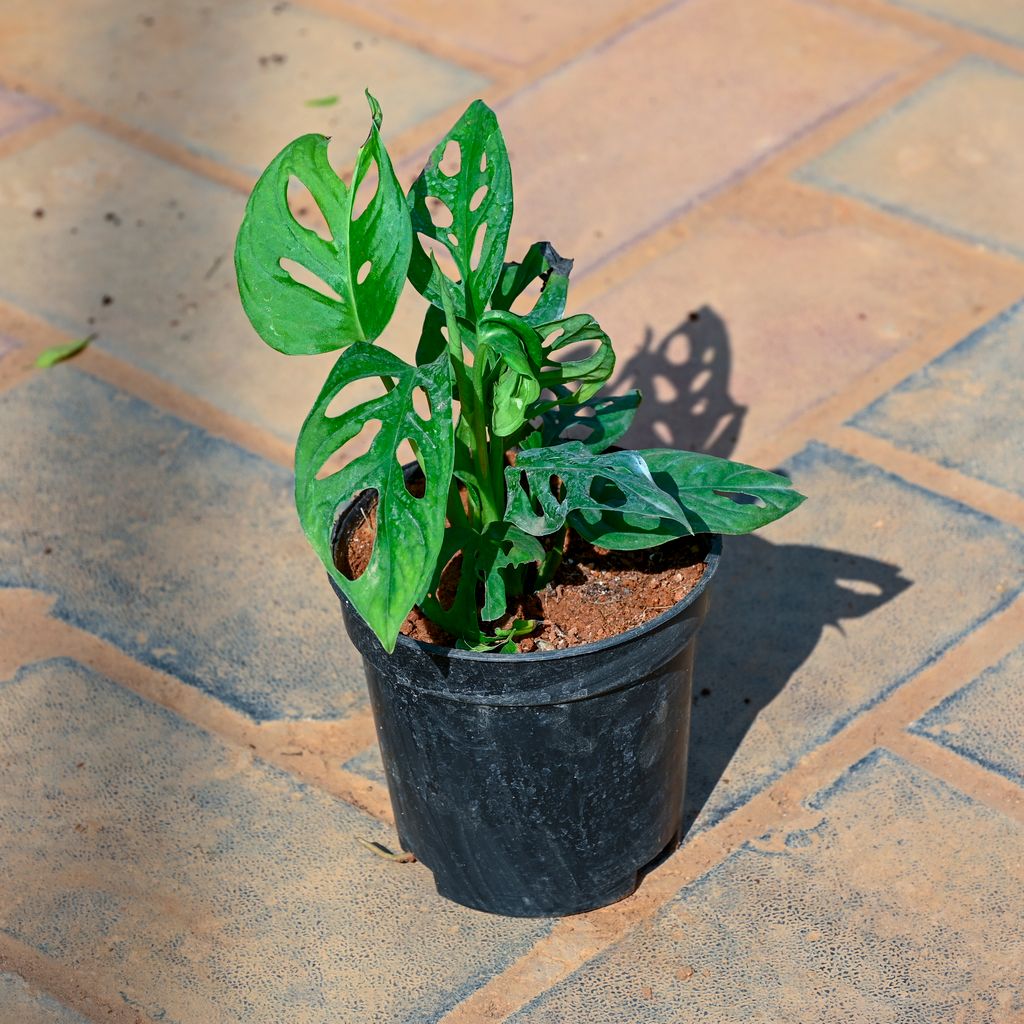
375	112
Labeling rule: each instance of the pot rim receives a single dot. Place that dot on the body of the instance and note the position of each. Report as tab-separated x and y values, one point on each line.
711	560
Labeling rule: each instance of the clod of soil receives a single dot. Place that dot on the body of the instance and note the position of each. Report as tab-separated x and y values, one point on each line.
596	594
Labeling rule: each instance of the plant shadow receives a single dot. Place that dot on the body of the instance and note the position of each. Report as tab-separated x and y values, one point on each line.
771	602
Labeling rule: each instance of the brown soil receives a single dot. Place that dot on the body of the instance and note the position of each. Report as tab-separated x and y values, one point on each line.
596	594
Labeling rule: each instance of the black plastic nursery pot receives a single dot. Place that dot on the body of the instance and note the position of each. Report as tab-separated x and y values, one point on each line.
541	784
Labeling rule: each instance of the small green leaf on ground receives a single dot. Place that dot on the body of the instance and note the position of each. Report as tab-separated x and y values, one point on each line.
58	353
322	101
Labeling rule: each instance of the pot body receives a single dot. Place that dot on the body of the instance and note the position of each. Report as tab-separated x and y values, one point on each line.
542	784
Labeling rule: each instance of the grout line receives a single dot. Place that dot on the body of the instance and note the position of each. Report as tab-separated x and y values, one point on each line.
917	469
574	941
986	787
66	985
309	750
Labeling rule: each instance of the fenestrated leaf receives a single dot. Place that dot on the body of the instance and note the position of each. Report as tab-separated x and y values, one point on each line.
588	372
295	318
409	530
483	164
504	547
701	484
588	483
605	420
543	263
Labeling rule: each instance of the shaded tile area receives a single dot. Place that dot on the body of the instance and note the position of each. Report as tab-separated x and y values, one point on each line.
946	156
985	720
140	252
1000	19
963	409
143	851
510	33
819	616
180	548
19	1004
635	131
369	764
230	79
18	110
779	304
898	903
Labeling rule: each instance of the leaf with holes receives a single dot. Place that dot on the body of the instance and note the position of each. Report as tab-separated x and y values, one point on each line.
702	485
547	485
409	530
604	419
543	264
589	372
478	196
364	263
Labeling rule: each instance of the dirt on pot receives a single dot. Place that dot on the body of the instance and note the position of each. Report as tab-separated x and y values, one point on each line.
596	594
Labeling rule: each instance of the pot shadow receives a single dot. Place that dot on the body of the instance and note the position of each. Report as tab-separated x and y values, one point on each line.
770	603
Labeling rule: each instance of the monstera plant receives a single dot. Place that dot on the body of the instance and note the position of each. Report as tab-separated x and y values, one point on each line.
514	443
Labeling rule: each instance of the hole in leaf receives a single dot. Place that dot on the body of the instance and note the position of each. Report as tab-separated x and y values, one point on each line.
363	272
478	197
453	239
742	499
478	246
867	588
554	483
527	299
439	212
358	444
483	161
404	453
359	392
577	350
414	481
451	160
441	253
421	403
701	381
298	273
366	190
305	209
354	549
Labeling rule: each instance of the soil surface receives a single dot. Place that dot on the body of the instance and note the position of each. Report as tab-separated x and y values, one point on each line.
596	594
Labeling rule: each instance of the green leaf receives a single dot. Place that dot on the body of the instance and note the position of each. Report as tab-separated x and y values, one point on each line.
543	263
410	530
503	640
504	547
483	164
701	485
588	372
295	318
604	419
517	346
58	353
322	101
585	483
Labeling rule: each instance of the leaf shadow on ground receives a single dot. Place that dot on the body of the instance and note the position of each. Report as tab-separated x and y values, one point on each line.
771	602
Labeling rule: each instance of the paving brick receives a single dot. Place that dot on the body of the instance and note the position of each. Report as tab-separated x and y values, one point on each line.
619	140
19	1004
158	241
985	720
818	617
963	409
948	156
508	33
797	297
18	110
886	907
1000	19
230	79
142	852
180	548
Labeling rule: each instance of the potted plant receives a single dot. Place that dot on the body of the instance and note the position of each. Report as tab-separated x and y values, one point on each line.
535	767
